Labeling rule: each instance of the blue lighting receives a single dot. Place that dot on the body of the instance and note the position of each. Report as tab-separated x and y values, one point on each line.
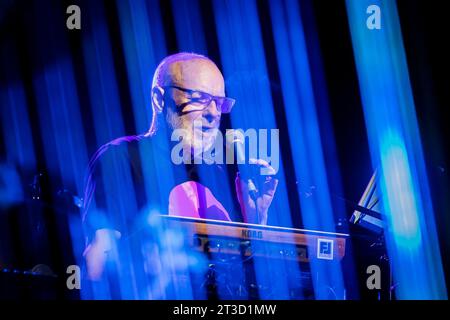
65	93
396	150
303	128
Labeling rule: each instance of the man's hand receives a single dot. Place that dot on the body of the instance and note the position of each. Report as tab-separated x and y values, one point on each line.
266	186
96	253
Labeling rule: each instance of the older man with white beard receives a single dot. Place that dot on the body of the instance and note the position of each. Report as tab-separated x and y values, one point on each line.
187	89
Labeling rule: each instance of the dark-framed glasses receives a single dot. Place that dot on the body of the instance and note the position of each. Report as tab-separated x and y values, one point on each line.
200	100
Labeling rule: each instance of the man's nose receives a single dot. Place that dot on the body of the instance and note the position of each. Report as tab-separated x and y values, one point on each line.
211	112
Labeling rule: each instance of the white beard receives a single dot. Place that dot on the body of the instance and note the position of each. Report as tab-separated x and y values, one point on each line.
195	142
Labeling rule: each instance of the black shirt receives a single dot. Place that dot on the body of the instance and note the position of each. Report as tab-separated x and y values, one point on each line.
134	175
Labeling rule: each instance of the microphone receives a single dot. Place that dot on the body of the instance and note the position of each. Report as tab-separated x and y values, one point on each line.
240	157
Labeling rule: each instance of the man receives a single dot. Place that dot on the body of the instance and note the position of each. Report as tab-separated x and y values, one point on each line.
188	92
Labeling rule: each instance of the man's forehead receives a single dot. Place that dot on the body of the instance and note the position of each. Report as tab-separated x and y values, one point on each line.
196	74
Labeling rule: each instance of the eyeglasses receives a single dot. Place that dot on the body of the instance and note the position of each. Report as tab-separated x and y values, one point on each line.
200	100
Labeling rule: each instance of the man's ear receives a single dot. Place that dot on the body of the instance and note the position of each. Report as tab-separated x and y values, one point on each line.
158	98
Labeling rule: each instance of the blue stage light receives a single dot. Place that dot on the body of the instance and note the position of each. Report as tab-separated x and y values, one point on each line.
396	150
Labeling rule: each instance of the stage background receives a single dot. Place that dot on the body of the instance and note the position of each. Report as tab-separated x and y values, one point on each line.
64	93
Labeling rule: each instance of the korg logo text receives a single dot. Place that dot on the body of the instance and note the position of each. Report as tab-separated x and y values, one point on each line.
252	234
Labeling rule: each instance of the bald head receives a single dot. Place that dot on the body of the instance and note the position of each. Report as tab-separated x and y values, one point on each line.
196	74
190	70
